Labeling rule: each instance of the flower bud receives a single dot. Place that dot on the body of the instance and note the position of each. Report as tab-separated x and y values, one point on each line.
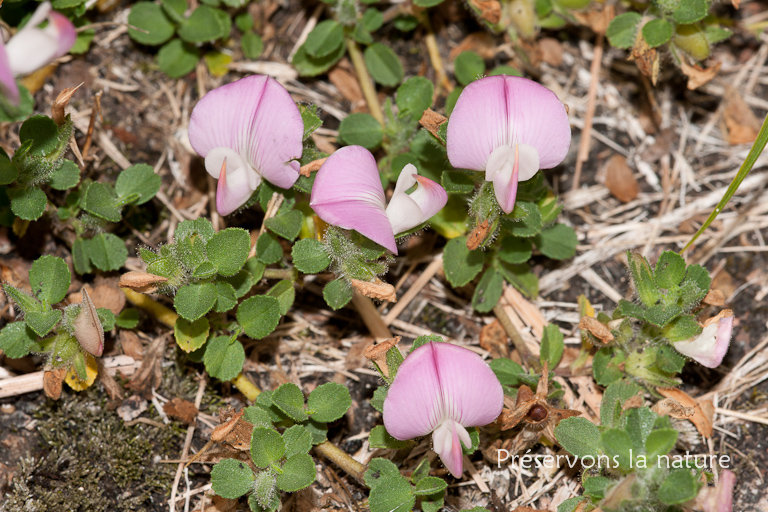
88	330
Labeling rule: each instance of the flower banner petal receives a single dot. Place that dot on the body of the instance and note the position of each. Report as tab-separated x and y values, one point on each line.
413	406
347	193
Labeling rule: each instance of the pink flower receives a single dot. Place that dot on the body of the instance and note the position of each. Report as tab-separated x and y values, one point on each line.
709	347
348	193
247	131
443	389
509	127
718	498
32	47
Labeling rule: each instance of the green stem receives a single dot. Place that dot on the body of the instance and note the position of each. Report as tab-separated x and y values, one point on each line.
366	83
754	153
279	273
334	454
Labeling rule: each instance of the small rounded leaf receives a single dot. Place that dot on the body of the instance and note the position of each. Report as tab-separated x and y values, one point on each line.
259	315
231	478
328	402
267	447
298	472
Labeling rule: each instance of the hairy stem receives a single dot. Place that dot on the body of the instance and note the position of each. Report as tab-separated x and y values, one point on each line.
279	273
334	454
366	82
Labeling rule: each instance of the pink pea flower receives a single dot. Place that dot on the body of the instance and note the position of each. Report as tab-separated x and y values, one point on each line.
509	127
709	347
32	47
718	498
247	131
443	389
348	193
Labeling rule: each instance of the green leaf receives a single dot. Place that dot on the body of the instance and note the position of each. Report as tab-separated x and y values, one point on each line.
259	316
107	318
297	440
43	133
622	29
228	250
337	294
306	65
231	478
406	23
557	242
190	336
521	277
49	278
309	256
377	401
27	303
380	470
380	438
328	402
552	346
488	291
127	319
606	366
690	11
682	328
660	315
205	24
569	505
66	176
361	130
242	282
504	70
430	485
318	431
715	34
177	58
324	39
257	417
289	399
614	397
139	179
660	442
287	225
393	495
657	32
28	203
8	171
680	486
617	445
107	251
579	436
515	250
152	20
100	200
226	298
669	270
224	358
507	371
457	182
468	67
267	447
16	340
42	322
285	294
695	286
383	64
311	120
642	277
525	220
595	486
460	264
298	472
252	45
195	300
414	96
427	3
200	227
268	249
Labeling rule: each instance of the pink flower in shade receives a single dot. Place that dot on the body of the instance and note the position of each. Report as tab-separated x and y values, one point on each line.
32	47
709	347
718	498
509	127
247	131
348	193
443	389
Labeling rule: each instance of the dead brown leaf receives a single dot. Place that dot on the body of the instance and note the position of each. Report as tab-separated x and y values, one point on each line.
698	76
52	380
60	104
150	374
673	408
494	339
482	43
182	410
551	51
619	179
132	345
377	353
714	298
739	123
490	10
113	389
141	282
377	290
595	18
219	504
596	328
701	420
478	235
724	282
646	58
633	402
347	84
431	120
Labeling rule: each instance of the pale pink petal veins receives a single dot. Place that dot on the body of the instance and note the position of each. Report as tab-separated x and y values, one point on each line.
256	117
709	347
507	110
406	211
413	406
446	442
718	498
347	193
472	394
233	189
8	85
